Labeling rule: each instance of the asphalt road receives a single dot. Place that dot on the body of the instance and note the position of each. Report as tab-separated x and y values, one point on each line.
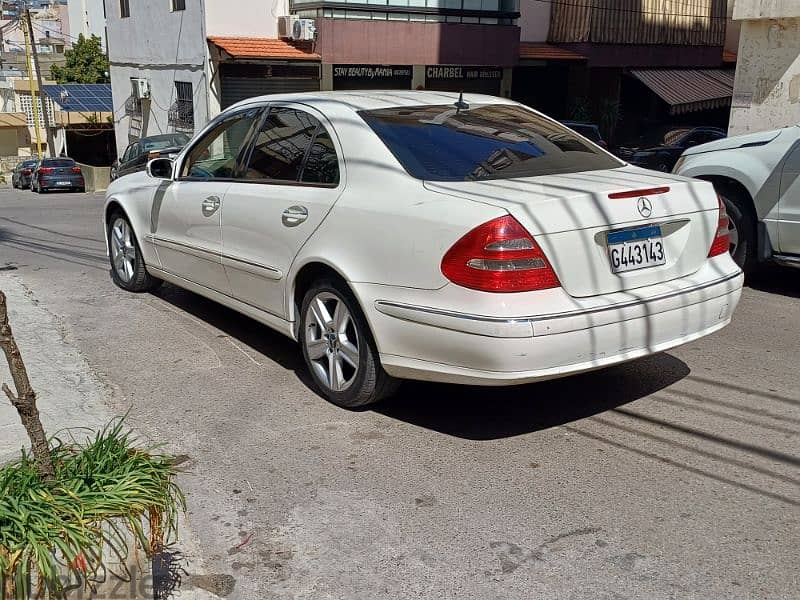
676	476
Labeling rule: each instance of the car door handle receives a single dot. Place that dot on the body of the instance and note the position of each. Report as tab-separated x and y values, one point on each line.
294	215
210	206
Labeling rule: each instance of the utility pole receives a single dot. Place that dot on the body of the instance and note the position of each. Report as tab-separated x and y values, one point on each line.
45	116
34	103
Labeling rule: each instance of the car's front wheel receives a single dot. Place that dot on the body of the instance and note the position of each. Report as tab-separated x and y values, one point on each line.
338	347
741	229
127	265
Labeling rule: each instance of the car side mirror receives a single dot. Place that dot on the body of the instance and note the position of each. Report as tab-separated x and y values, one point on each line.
160	168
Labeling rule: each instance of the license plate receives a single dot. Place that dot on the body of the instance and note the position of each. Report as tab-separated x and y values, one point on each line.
63	183
632	249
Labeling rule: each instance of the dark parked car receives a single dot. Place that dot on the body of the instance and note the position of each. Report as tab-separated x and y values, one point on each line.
137	155
587	130
57	174
664	153
21	177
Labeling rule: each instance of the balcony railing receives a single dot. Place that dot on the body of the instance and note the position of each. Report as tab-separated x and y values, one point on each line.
181	115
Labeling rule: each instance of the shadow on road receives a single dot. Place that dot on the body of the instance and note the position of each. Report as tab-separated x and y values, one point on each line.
776	280
479	413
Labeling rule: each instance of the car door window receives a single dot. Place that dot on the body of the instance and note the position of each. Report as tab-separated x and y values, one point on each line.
281	146
216	155
322	164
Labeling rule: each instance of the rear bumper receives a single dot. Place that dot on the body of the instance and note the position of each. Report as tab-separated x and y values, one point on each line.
53	182
433	342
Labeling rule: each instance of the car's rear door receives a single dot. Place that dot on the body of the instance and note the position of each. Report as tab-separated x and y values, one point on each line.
185	224
789	203
293	176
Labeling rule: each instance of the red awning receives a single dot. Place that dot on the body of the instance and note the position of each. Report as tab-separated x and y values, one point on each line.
268	48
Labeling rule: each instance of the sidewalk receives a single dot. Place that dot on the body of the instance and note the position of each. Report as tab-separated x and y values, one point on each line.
70	396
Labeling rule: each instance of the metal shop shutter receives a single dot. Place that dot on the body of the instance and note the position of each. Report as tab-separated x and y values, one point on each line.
235	89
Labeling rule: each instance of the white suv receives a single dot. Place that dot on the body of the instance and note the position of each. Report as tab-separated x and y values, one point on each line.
758	177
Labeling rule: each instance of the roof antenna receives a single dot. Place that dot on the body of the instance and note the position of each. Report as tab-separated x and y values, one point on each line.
460	104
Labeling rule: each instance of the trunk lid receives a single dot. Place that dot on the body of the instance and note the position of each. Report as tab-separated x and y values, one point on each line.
571	215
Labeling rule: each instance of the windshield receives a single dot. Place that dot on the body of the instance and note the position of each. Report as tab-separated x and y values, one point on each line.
58	162
443	143
161	142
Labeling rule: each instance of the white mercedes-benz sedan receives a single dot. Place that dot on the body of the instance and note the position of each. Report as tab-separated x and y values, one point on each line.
429	236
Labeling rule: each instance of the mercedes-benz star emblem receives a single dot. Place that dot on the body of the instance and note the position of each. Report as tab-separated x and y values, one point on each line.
644	206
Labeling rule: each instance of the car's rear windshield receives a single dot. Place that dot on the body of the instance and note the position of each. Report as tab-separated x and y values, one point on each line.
58	162
161	142
489	141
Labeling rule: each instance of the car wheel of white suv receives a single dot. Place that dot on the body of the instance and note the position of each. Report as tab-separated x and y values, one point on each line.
742	230
339	349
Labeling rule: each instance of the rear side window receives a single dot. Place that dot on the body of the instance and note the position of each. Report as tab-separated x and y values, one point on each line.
293	146
444	143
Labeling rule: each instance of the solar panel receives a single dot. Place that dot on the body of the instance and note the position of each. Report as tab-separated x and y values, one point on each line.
79	97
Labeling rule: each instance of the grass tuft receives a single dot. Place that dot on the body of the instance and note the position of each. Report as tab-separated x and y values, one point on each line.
102	486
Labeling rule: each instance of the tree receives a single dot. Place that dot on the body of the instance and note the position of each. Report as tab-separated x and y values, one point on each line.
86	63
25	399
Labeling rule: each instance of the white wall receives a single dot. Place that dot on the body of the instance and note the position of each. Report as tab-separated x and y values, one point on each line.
162	46
250	18
766	93
534	21
154	118
86	17
766	9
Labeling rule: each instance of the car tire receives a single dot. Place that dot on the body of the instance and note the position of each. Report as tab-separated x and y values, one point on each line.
128	270
742	228
333	332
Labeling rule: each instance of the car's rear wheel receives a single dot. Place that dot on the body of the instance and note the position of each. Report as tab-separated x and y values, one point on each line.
339	349
127	265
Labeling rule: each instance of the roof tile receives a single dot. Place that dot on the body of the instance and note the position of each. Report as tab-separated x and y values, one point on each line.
263	48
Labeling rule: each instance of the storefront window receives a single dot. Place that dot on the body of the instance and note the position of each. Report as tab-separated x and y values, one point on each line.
502	12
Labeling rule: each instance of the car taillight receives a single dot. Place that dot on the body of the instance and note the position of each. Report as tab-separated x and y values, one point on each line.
722	240
499	256
45	171
76	170
26	171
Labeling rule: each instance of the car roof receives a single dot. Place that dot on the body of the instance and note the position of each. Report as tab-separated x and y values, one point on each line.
376	99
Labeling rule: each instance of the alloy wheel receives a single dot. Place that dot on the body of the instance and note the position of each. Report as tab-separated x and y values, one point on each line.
332	341
123	249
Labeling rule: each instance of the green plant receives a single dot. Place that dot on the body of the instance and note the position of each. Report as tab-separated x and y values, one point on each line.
610	114
580	109
101	488
85	63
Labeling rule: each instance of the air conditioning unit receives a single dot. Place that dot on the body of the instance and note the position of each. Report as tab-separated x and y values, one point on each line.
286	26
294	28
141	88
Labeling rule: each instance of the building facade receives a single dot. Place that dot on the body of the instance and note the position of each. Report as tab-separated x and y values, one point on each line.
626	66
87	18
200	57
767	86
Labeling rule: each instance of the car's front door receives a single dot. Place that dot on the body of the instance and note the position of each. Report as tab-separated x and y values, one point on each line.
292	178
185	220
789	203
